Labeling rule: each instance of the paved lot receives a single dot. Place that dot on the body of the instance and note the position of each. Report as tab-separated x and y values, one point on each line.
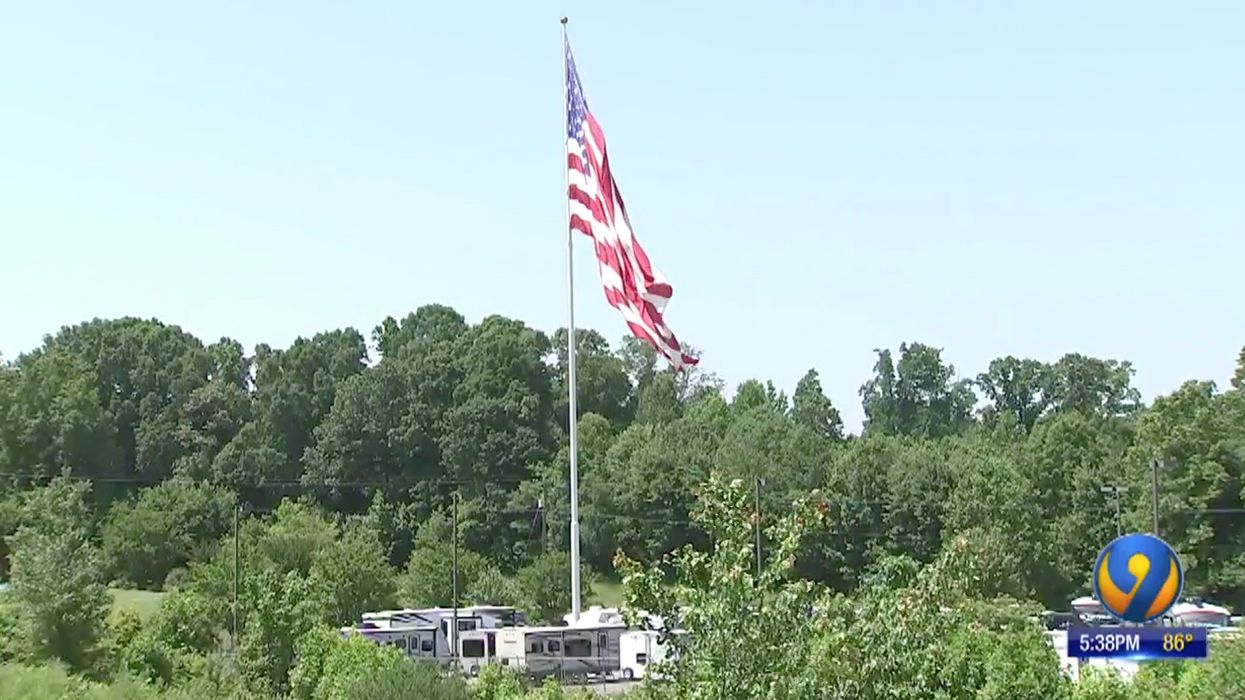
611	688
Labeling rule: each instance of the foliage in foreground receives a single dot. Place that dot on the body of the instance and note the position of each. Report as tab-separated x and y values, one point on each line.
125	444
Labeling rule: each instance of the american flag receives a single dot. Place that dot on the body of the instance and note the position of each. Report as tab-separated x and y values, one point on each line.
632	284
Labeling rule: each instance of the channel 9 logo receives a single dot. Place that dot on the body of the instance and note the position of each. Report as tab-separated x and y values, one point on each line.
1138	577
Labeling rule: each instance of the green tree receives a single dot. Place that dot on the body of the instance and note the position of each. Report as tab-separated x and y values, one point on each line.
330	667
811	408
143	372
429	325
411	680
718	600
428	580
1014	388
1066	459
144	539
546	586
658	401
917	396
296	536
1091	385
51	420
492	587
60	600
1201	432
294	391
353	575
280	610
1238	377
600	375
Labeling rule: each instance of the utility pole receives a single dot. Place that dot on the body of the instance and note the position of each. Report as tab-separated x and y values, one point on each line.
453	635
540	511
1155	464
758	481
1118	491
237	509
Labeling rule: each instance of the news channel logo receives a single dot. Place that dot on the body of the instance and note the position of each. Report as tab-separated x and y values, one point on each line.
1138	577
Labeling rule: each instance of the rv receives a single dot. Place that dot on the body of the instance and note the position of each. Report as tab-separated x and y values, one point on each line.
1199	613
414	641
583	650
469	618
637	650
477	649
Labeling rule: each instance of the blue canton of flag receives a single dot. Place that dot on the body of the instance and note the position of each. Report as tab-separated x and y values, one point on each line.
576	106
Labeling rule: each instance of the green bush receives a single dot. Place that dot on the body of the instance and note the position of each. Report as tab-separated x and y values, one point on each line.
545	585
48	682
427	580
159	531
407	681
59	602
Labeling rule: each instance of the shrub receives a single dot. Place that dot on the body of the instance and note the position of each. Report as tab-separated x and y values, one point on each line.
59	600
144	540
409	680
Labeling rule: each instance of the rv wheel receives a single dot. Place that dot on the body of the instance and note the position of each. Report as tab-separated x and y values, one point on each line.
628	674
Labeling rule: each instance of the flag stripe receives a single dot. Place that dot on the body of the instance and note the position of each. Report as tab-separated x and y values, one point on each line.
632	284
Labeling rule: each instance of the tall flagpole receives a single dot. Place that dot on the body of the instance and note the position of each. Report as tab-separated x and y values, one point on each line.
570	344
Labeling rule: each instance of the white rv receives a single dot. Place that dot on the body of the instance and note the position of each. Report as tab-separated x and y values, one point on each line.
579	651
1201	614
477	649
637	650
415	641
472	617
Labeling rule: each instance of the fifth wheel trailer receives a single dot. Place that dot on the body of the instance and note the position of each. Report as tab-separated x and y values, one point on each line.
583	650
637	650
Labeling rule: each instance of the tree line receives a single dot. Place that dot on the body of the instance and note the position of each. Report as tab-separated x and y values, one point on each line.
128	447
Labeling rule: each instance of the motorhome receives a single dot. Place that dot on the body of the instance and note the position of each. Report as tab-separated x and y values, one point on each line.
582	650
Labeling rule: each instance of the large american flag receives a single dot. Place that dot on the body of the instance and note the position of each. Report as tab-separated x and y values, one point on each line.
632	284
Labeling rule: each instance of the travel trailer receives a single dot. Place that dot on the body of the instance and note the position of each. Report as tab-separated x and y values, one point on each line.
581	650
472	617
637	650
594	616
1200	614
476	649
415	641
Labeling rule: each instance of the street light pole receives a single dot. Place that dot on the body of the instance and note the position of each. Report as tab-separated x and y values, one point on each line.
759	481
1118	491
453	635
1155	464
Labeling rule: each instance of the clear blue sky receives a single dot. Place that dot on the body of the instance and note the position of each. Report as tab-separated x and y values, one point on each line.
816	179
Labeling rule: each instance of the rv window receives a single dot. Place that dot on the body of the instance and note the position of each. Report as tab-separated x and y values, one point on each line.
553	646
473	648
580	648
464	625
426	646
641	659
533	647
400	643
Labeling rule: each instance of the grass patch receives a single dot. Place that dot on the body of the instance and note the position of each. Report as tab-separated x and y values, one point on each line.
606	593
144	603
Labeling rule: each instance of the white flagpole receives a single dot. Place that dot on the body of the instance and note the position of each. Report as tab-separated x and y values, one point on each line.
572	418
